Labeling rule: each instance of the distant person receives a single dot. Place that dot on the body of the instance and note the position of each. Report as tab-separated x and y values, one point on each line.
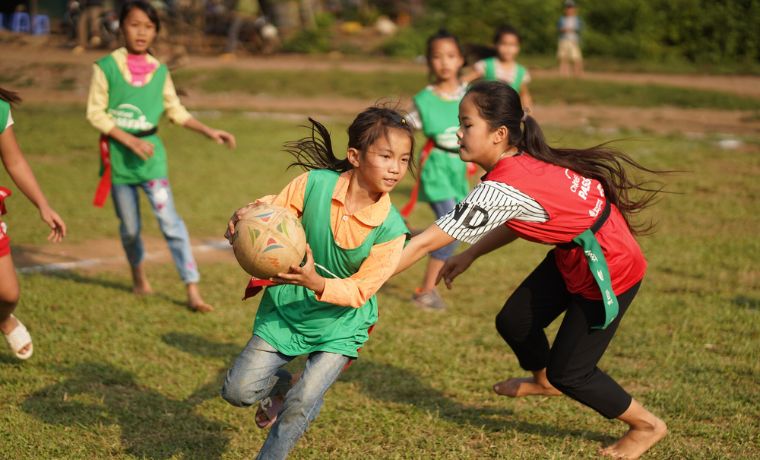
504	66
244	11
442	181
18	169
568	47
88	24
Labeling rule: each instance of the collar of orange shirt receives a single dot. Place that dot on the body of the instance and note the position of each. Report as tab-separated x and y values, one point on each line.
372	215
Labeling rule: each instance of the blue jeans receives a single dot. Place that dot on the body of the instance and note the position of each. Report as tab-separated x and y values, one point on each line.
257	374
160	197
441	208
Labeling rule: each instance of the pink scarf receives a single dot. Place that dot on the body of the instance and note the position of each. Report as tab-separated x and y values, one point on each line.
139	68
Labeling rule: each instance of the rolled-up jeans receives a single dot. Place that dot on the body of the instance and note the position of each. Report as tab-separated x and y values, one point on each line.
159	194
257	374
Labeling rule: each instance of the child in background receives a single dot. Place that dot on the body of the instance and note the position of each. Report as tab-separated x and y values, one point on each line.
18	169
129	92
325	308
568	46
443	176
504	66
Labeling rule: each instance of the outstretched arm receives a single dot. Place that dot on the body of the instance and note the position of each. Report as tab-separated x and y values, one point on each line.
23	177
456	265
430	239
217	135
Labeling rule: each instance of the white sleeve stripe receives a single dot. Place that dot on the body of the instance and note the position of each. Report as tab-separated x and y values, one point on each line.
494	201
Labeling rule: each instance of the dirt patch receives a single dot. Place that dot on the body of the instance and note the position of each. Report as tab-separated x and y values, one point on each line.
59	75
16	54
107	254
662	120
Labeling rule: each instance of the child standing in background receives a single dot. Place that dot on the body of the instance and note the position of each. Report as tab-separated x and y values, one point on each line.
443	177
129	92
504	66
568	47
325	308
15	333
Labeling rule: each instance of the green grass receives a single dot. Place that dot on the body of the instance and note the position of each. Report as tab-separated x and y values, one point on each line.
116	376
393	85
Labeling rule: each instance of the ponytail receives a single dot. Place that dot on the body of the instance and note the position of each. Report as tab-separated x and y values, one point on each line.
9	96
316	151
500	105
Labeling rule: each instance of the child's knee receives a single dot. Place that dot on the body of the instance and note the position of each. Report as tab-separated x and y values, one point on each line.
9	297
130	231
242	392
238	395
564	380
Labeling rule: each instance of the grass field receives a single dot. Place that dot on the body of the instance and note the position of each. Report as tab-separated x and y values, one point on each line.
116	376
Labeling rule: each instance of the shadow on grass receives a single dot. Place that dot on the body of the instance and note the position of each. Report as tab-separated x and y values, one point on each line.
402	386
150	424
746	302
79	278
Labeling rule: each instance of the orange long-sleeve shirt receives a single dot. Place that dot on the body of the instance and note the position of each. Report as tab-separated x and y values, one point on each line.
349	231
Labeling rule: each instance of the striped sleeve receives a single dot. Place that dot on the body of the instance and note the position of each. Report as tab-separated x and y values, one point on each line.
489	205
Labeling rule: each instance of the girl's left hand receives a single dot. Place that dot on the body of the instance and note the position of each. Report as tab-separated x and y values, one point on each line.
57	226
222	137
304	276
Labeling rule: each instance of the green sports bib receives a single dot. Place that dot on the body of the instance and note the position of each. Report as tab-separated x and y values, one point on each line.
135	109
290	318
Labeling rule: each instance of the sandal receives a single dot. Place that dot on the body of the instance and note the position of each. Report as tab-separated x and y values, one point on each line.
18	339
266	415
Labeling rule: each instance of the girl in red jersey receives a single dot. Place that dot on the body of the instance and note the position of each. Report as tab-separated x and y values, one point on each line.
577	200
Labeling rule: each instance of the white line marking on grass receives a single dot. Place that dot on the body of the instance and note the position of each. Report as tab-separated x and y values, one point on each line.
216	245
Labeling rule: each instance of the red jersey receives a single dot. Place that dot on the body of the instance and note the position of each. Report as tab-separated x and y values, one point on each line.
572	203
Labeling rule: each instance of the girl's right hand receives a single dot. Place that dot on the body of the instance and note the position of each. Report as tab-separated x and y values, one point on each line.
454	266
57	226
141	148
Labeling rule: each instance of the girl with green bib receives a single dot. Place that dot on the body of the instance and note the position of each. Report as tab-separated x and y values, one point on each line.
443	175
504	66
325	308
130	90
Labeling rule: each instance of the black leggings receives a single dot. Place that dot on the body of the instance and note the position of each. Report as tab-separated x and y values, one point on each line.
571	361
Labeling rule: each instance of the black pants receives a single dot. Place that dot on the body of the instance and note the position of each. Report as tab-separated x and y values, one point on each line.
571	362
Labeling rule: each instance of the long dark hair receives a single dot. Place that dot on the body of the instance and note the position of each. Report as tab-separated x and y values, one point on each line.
146	8
442	34
9	96
500	105
316	151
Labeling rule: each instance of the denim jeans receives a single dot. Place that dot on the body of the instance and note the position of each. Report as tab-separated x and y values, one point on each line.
159	193
441	208
257	374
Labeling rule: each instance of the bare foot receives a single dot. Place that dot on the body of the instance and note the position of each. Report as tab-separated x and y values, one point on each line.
8	326
637	440
195	301
526	386
140	284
